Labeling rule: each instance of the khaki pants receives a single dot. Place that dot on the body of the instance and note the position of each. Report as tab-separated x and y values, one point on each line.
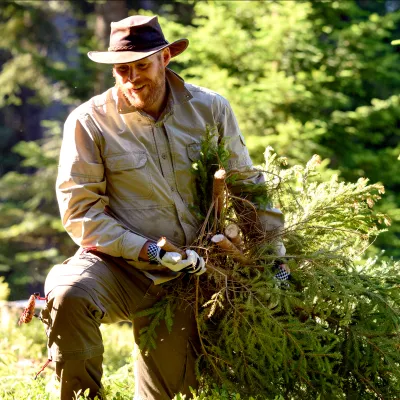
91	289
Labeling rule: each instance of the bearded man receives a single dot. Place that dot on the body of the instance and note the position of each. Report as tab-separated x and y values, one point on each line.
124	181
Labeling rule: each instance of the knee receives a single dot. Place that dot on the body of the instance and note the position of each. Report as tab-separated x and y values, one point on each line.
72	300
72	321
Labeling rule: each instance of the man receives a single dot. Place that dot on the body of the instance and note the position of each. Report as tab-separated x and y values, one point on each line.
124	181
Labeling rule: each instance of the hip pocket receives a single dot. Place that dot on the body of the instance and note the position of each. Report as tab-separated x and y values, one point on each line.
66	274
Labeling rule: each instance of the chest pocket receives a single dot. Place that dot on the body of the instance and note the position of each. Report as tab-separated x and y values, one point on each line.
128	176
193	151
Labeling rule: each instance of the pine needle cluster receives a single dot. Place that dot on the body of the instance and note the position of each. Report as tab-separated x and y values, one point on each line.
333	330
213	154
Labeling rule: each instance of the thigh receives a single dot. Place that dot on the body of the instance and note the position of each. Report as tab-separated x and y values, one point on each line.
115	290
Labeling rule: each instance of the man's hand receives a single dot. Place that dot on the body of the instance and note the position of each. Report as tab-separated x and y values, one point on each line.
283	273
193	264
197	266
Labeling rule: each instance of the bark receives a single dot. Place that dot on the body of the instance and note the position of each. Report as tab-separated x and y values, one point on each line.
168	246
110	11
219	191
230	249
232	232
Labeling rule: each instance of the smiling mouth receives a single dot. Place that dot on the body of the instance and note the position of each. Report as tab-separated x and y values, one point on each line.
137	89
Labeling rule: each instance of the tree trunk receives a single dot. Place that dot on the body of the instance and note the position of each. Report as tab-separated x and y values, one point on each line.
111	10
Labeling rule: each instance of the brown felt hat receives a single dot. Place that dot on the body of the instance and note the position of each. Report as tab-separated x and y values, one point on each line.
134	38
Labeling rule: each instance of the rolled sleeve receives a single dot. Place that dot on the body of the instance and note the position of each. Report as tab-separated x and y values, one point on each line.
245	176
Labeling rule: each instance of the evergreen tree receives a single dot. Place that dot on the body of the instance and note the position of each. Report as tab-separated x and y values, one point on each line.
332	331
32	238
307	77
40	78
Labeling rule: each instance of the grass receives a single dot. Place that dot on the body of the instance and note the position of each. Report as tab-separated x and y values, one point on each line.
23	353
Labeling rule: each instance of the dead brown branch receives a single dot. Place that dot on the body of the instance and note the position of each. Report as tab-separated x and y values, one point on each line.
232	232
168	246
218	191
230	249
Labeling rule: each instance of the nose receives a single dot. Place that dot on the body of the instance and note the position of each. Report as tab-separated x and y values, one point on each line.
133	73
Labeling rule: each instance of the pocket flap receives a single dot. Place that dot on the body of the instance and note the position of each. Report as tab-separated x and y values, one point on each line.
126	161
193	150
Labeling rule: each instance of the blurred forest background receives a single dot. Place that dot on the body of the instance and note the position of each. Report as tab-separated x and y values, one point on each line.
304	77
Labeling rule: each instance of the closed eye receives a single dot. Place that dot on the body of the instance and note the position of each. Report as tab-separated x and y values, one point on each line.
123	69
142	65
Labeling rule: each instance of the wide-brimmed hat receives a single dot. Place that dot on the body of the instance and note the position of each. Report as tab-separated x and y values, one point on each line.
134	38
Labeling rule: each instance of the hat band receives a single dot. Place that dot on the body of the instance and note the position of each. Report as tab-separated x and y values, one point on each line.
137	48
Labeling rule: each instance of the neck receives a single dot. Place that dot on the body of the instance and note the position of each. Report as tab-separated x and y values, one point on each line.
157	108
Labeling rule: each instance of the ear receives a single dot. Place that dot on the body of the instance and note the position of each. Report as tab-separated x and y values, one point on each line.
166	56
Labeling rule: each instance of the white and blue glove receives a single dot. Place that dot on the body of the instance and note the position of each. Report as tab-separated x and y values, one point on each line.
193	264
283	274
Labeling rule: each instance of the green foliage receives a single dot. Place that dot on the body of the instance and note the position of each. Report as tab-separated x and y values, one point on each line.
4	289
213	155
32	238
25	46
33	52
306	77
334	330
163	310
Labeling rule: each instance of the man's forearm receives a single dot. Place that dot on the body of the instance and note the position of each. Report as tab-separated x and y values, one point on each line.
143	255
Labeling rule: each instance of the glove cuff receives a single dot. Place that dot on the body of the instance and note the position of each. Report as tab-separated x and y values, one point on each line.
155	253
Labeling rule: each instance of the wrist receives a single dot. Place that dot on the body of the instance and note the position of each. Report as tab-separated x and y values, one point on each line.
143	255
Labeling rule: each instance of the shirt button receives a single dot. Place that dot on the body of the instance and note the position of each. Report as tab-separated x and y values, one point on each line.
164	156
172	189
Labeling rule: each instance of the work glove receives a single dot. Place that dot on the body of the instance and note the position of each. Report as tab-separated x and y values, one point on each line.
193	264
283	273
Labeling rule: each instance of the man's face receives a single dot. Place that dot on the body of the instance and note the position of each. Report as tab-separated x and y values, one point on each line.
143	82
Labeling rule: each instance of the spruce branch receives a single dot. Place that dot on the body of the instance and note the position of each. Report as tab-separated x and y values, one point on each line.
335	328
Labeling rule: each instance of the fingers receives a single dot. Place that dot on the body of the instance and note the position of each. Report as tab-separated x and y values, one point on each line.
197	264
172	258
201	268
193	264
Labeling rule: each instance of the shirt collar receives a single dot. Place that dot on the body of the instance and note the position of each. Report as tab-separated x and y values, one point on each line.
178	93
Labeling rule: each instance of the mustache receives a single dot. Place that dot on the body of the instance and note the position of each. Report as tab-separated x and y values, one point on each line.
134	84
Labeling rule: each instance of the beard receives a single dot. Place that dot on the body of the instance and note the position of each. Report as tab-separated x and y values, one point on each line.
152	91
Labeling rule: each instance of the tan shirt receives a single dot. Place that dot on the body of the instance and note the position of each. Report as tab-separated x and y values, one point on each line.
125	178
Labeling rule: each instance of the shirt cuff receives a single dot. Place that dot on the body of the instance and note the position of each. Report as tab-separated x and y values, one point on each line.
131	246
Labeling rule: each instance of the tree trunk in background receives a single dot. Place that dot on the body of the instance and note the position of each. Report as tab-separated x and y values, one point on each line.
111	10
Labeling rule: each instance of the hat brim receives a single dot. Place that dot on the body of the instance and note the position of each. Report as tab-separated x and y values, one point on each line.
122	57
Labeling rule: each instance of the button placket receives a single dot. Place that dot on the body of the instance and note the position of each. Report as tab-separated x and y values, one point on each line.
165	160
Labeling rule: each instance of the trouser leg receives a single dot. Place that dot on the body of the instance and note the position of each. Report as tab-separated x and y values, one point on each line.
168	369
77	374
84	293
74	340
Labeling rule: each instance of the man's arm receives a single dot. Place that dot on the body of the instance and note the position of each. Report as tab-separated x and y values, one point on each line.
81	195
246	176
